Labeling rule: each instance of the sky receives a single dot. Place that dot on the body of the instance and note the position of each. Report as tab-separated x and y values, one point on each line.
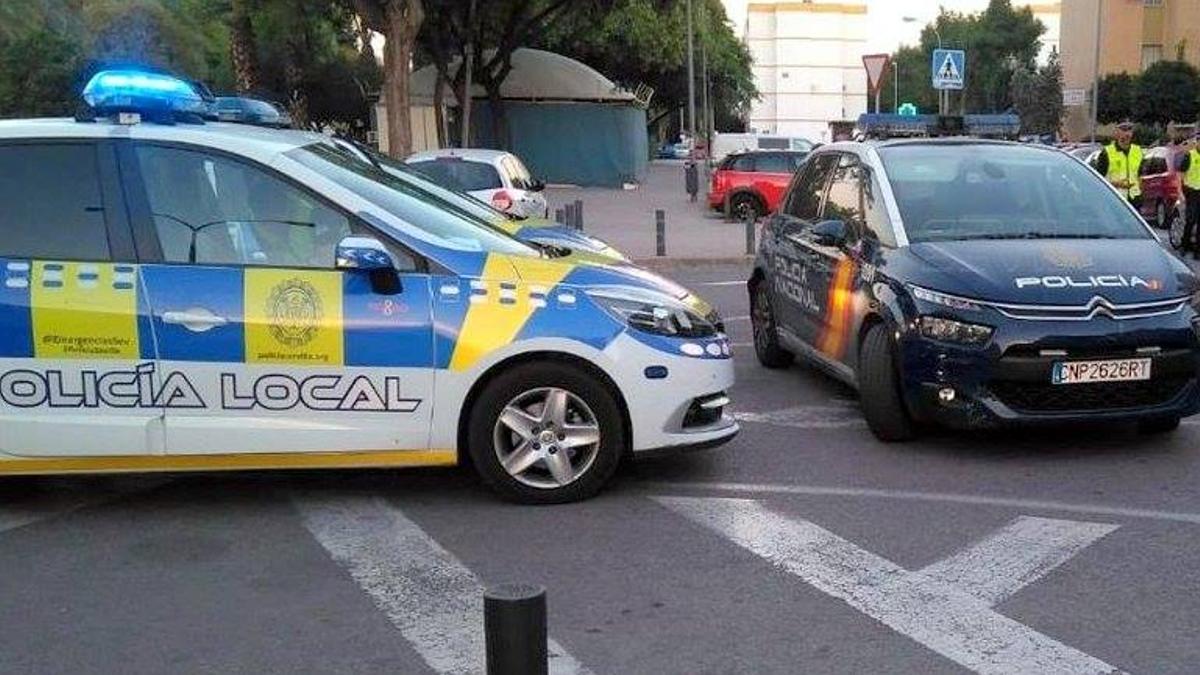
888	30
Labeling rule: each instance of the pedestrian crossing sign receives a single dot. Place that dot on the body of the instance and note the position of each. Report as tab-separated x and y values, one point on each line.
949	68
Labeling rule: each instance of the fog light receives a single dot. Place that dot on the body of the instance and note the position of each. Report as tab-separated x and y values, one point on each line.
947	395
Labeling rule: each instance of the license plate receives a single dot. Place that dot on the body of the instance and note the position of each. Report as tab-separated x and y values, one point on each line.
1114	370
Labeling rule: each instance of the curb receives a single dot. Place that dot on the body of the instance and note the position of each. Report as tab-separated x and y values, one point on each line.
667	263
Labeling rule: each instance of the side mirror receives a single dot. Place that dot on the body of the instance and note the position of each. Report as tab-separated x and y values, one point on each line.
829	233
364	254
536	185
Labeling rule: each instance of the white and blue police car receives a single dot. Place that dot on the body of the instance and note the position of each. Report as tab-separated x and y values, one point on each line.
176	295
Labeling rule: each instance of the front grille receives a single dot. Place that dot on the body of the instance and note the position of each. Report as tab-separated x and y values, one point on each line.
1043	397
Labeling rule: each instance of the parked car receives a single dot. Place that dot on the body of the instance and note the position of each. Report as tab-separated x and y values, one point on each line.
495	176
727	144
247	110
540	232
1162	186
753	182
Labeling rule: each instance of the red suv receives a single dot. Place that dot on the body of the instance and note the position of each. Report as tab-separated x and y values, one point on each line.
753	183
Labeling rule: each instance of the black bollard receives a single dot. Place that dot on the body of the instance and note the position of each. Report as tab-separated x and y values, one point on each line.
660	231
514	626
568	214
750	235
579	215
559	217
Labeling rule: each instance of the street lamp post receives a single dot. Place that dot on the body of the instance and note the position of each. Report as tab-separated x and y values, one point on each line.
691	71
942	98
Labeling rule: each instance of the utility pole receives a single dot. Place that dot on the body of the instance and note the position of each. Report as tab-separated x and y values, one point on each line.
704	90
691	56
1096	68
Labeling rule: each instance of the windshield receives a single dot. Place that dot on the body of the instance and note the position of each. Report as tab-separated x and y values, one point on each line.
445	222
462	174
948	192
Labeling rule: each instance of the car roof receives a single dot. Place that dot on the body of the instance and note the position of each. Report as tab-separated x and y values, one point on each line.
257	142
476	154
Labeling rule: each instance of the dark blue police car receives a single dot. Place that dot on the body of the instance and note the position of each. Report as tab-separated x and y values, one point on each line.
975	283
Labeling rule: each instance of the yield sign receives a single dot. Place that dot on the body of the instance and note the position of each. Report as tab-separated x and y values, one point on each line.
875	64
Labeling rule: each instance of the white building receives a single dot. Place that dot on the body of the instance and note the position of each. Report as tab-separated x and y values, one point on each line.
808	53
807	65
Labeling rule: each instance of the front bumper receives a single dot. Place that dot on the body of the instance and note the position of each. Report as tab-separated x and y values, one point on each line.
1008	382
683	408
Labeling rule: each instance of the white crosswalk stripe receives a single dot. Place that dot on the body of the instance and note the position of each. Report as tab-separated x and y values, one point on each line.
1015	556
932	611
423	589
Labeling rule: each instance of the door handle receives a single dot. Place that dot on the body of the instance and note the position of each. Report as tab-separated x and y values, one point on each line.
195	319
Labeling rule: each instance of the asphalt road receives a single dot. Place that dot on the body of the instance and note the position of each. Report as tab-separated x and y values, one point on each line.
803	546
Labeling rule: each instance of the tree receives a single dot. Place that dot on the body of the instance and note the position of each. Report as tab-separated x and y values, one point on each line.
242	47
1037	97
1117	92
998	42
399	22
1168	91
482	36
636	42
37	74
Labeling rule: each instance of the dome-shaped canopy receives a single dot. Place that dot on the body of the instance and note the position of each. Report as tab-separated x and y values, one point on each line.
536	75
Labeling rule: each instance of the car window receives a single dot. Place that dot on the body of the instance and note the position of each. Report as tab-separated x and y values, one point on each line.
464	174
473	207
771	162
228	104
209	209
440	220
954	191
742	163
804	202
796	159
518	175
844	199
878	224
52	204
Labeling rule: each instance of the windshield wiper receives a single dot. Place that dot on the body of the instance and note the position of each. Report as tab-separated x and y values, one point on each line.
1046	235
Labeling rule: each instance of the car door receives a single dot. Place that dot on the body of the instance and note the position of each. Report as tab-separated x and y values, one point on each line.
265	347
773	172
77	372
834	269
795	290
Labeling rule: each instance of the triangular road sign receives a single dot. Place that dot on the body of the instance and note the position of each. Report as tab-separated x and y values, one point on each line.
875	64
949	70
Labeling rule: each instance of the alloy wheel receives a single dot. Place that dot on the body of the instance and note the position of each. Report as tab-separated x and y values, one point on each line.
546	438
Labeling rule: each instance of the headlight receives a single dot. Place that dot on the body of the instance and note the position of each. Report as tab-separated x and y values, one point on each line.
652	312
949	330
951	301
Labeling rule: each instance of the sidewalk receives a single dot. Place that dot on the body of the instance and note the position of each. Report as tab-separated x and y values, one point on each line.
625	218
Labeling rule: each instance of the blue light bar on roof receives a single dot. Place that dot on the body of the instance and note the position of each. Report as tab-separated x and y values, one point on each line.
112	91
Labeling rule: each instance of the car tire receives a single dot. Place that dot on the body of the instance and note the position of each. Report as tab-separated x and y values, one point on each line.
1158	425
766	334
879	388
1175	229
588	403
745	206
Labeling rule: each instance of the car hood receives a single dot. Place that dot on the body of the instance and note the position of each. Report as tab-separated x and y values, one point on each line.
555	271
1056	272
578	243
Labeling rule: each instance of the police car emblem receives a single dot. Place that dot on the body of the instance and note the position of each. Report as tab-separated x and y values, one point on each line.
1067	258
295	311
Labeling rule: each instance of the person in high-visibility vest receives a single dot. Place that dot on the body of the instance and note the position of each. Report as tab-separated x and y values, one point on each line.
1189	166
1121	161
